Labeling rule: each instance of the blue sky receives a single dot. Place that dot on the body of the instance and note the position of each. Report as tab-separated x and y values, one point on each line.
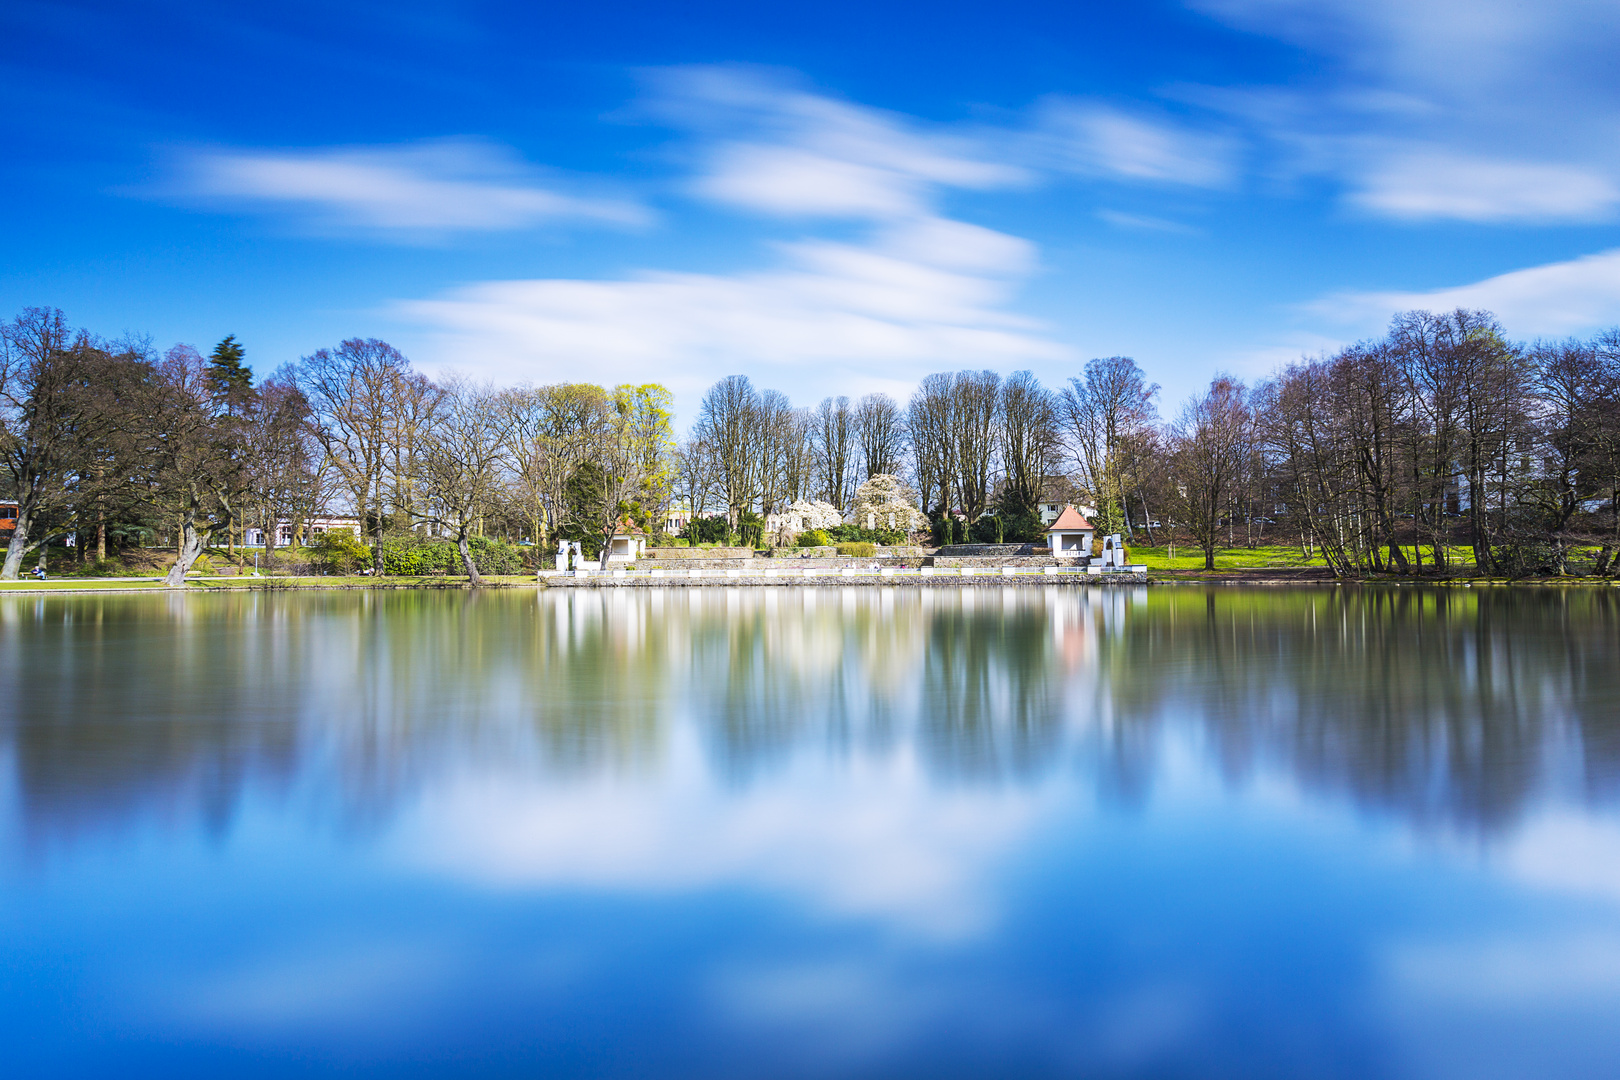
830	198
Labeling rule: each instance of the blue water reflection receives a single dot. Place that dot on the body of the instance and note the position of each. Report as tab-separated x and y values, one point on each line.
868	832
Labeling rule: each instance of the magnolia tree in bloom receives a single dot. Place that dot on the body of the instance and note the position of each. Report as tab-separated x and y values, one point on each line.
885	502
803	516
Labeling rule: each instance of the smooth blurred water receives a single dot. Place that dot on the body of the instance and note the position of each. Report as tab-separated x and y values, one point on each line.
1161	832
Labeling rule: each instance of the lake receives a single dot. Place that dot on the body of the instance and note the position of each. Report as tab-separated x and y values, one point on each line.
871	832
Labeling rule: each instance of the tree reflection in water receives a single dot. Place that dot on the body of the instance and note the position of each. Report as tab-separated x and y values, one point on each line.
1449	708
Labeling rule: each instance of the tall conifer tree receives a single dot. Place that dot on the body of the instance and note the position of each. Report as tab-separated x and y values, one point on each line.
229	380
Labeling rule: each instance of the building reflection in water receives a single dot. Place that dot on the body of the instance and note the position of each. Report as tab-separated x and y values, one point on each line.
1449	709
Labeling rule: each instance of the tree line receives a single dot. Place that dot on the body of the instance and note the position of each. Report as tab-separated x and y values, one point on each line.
113	442
1441	443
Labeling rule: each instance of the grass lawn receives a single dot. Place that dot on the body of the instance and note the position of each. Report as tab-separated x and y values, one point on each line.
359	580
248	582
57	584
1192	558
1264	558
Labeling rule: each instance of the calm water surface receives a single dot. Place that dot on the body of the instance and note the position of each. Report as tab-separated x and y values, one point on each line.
779	833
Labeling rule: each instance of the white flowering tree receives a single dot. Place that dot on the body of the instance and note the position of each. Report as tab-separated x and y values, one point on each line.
802	516
885	502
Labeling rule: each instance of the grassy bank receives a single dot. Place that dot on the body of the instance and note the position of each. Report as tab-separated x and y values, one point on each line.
1268	558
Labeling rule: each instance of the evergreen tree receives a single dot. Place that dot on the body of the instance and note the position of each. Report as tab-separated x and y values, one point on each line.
229	380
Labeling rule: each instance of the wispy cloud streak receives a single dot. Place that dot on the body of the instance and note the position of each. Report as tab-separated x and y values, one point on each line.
434	187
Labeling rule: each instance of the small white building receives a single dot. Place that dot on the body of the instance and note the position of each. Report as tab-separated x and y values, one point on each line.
627	544
1070	535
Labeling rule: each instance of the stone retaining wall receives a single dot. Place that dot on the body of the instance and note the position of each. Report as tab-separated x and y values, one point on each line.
822	581
1001	551
786	562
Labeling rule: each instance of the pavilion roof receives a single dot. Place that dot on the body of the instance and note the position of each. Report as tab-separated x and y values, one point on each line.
1069	521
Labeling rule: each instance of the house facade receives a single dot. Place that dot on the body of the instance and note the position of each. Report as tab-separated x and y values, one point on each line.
254	536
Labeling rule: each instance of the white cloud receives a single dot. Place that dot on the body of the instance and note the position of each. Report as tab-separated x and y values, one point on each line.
1096	140
1542	301
1146	223
912	300
917	293
1440	185
1485	111
446	186
1458	49
781	150
891	847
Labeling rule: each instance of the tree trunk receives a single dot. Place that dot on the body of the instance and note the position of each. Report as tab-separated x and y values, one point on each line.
191	545
101	540
377	535
18	547
466	557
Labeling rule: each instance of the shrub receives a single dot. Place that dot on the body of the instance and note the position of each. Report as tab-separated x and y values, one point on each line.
411	556
856	533
1022	527
987	530
814	538
337	551
860	549
751	530
707	530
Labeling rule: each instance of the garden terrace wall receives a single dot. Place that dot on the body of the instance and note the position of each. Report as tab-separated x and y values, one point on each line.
943	561
786	562
992	550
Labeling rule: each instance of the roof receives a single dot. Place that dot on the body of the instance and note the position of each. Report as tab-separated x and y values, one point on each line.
1069	521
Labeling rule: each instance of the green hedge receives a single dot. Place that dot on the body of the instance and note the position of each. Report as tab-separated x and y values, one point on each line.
860	549
413	557
856	534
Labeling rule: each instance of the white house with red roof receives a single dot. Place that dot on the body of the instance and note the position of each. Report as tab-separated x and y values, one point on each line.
1070	535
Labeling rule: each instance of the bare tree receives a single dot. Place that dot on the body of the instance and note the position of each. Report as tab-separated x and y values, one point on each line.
1212	437
354	391
880	428
928	421
975	414
727	425
47	402
1112	403
460	462
194	454
281	462
1028	443
696	476
782	438
412	414
832	438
